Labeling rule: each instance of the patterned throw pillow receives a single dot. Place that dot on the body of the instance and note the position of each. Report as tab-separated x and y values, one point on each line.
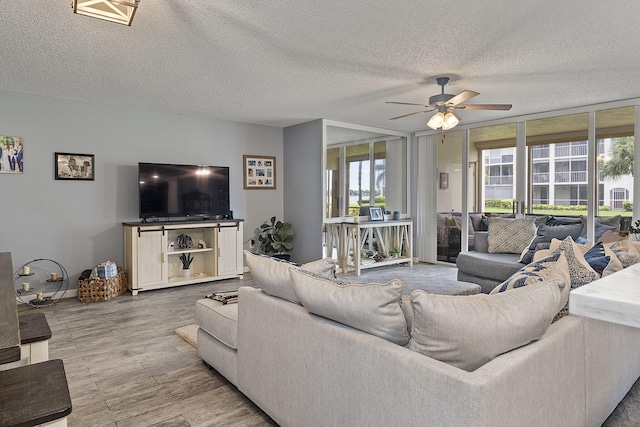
626	252
582	247
579	269
510	236
553	267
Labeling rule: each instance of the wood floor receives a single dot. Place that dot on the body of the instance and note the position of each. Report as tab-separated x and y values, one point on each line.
126	367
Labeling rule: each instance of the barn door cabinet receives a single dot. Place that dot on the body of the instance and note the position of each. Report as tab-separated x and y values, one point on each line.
152	253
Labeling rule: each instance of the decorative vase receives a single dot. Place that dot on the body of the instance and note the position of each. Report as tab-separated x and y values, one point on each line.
186	272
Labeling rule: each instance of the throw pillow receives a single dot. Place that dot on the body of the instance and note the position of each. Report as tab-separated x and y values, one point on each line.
582	247
626	252
469	331
579	269
614	263
553	221
510	235
374	307
601	224
272	275
610	237
597	258
553	267
545	233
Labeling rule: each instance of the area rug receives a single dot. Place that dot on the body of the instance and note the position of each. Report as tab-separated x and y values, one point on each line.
189	333
412	277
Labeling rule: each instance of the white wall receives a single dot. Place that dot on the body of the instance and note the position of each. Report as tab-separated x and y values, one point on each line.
79	223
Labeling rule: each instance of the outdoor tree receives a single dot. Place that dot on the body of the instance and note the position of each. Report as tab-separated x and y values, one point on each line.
621	159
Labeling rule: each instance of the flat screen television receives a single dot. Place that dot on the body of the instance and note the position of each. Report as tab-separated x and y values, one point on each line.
167	190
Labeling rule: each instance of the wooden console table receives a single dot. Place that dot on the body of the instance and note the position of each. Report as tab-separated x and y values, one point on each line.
360	236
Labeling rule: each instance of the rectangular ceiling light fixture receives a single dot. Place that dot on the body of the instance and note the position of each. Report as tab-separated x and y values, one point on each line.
119	11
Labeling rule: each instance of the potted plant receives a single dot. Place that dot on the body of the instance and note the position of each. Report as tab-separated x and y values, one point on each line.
276	238
186	259
394	252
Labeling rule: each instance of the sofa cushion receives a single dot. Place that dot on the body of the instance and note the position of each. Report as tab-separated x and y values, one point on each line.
491	266
371	307
218	320
545	233
272	275
469	331
510	236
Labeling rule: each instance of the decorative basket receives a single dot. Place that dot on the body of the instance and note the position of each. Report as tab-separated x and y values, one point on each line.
94	289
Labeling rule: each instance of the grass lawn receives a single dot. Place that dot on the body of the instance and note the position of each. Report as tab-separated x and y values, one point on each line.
556	212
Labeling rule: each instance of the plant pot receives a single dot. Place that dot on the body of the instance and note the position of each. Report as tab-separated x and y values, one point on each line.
186	272
285	257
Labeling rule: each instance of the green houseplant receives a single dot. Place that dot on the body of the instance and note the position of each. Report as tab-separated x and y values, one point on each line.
276	238
394	252
186	260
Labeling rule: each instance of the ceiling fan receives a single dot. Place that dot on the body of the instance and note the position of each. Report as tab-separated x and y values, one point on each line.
445	103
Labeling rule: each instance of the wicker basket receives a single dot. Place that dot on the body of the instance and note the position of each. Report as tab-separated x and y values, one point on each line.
95	289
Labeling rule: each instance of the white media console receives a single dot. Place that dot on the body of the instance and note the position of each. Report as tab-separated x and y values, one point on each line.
151	262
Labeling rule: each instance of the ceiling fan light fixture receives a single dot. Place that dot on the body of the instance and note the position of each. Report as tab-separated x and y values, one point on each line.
451	120
436	120
118	11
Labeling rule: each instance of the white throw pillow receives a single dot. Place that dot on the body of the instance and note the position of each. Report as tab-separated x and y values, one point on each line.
272	275
370	307
469	331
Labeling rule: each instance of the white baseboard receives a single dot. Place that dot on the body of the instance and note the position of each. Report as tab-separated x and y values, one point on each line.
70	293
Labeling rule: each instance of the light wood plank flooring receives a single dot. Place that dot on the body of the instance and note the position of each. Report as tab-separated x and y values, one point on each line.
126	367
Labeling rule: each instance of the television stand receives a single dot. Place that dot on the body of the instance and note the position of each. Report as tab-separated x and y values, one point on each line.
152	262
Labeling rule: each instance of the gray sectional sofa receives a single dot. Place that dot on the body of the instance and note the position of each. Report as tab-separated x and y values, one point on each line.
490	269
306	370
486	269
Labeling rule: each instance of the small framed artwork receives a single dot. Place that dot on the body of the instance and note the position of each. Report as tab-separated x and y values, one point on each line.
375	213
11	154
259	172
75	166
444	180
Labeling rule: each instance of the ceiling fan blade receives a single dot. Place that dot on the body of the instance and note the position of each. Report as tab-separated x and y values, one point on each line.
484	107
410	114
406	103
461	97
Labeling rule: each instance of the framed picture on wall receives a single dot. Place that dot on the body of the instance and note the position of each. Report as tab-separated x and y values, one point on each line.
444	180
259	172
80	167
11	154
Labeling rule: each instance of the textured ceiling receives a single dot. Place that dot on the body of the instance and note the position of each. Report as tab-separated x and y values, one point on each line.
281	62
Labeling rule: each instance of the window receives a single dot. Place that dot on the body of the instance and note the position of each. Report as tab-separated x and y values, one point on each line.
618	197
368	172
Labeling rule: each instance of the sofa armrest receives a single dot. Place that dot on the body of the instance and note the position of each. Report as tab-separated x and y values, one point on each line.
481	241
